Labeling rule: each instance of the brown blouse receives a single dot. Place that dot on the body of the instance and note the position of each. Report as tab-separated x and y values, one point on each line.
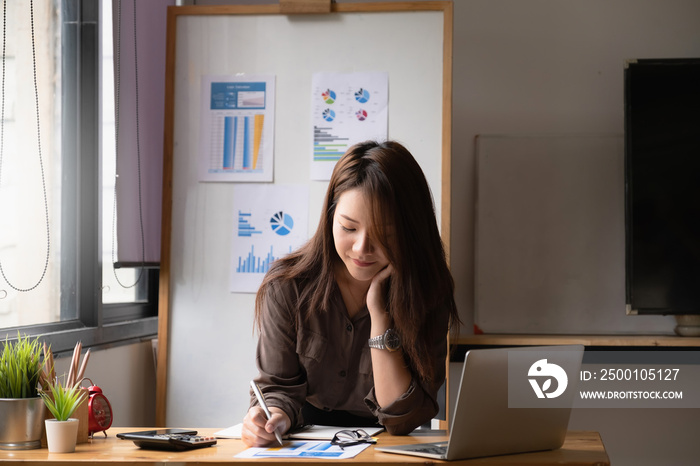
327	363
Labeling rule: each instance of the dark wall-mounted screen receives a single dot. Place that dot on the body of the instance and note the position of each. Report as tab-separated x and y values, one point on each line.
662	186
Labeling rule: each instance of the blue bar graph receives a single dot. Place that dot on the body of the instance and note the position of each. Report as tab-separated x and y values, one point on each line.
254	264
230	133
245	229
237	143
246	143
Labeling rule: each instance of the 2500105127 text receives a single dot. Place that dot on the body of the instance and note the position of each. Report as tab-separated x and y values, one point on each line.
627	374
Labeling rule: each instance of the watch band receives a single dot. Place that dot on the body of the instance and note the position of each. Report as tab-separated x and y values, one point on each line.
377	342
389	341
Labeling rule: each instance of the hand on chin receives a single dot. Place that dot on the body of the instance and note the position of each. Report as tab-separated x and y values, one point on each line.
375	296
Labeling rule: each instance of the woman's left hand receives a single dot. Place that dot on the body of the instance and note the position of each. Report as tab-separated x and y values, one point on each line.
391	375
375	295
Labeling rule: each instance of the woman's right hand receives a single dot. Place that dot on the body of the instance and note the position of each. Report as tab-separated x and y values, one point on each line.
258	431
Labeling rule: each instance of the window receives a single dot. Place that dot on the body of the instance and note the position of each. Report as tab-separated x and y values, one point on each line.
69	293
121	285
23	214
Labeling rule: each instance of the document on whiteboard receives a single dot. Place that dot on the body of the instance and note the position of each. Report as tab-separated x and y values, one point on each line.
270	221
237	125
346	108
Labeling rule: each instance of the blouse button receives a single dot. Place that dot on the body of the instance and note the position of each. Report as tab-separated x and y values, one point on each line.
349	328
343	373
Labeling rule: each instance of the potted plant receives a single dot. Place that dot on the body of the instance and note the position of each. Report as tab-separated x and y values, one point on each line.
21	408
62	431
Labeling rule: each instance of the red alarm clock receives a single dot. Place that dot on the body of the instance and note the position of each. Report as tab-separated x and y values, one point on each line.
99	411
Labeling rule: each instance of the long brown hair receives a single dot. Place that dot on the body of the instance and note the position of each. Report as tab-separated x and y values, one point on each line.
421	294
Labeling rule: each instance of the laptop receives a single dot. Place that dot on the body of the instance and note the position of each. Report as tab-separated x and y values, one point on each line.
538	383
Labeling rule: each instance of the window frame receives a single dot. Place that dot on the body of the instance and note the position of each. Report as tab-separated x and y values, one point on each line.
95	324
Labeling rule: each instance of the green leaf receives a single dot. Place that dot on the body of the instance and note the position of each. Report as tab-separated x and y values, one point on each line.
20	366
62	401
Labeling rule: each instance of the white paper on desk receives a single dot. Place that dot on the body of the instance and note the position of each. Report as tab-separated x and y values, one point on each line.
305	449
230	432
312	432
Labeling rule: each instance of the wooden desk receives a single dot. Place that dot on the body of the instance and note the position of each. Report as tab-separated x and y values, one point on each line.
580	449
660	341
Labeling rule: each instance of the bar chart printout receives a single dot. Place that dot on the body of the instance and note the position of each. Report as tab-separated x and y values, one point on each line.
346	108
236	137
242	138
245	229
270	221
257	264
327	146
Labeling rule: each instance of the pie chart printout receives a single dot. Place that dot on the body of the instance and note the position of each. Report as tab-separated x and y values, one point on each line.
282	223
328	96
328	114
270	221
362	96
347	108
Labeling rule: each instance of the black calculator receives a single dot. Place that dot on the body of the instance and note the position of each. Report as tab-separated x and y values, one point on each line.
168	439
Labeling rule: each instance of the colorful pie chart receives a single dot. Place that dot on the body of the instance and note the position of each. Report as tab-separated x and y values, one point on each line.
282	223
328	96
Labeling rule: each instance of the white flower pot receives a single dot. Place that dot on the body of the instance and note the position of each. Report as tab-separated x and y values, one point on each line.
61	436
688	325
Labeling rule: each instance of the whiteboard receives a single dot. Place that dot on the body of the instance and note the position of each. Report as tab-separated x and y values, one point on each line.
550	244
206	332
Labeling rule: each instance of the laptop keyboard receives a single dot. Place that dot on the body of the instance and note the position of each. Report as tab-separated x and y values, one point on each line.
433	450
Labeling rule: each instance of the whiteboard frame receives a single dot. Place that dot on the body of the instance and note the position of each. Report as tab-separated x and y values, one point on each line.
444	158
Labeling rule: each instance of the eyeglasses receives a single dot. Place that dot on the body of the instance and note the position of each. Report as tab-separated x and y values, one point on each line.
346	438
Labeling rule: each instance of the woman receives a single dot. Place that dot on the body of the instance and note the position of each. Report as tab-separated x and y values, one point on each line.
353	325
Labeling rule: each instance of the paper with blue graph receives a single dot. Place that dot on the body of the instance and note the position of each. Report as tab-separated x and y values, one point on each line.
305	449
237	128
270	221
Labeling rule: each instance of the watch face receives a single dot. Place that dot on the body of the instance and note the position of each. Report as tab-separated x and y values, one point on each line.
392	341
101	412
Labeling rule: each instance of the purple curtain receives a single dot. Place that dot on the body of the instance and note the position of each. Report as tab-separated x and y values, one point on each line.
148	90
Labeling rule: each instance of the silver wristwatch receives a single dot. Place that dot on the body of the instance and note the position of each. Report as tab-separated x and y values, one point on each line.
389	341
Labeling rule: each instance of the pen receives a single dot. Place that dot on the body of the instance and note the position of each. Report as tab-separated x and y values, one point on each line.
261	400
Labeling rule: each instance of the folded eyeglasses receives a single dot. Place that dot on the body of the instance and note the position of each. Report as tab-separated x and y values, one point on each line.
346	438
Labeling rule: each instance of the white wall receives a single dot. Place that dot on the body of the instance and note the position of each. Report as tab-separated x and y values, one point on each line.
546	66
126	375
